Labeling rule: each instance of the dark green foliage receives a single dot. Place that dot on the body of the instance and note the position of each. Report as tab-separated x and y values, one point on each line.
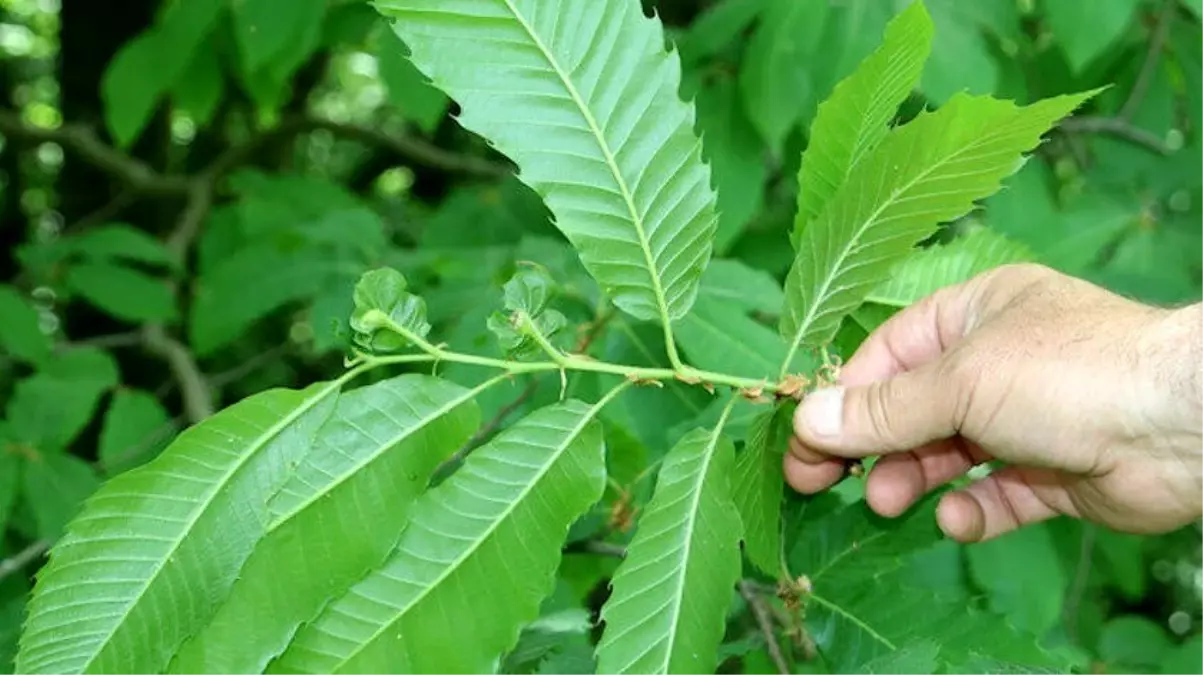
463	335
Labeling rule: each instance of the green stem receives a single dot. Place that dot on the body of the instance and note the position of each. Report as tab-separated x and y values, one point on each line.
670	346
789	358
563	361
532	330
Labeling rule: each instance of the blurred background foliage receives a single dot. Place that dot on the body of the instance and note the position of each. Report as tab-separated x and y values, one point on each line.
191	187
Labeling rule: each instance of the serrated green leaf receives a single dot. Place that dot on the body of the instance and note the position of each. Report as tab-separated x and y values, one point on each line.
914	658
930	269
718	338
739	420
736	284
851	545
962	59
381	300
54	487
50	408
341	513
864	625
757	487
776	83
223	309
715	28
159	537
136	428
714	337
20	331
595	125
670	595
408	90
550	633
735	153
930	171
493	530
1021	573
849	556
123	292
1085	31
983	665
855	119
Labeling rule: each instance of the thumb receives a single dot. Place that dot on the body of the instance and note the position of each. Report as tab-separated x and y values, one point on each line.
892	415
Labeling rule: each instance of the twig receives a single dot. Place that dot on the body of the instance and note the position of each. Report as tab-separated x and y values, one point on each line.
1121	125
486	430
764	619
225	377
409	147
106	212
130	339
413	149
200	200
24	557
1156	44
194	390
84	142
1117	127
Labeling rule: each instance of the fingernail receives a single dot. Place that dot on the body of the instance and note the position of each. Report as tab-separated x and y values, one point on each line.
822	412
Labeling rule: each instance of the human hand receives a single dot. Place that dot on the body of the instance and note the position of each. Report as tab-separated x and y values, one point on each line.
1093	402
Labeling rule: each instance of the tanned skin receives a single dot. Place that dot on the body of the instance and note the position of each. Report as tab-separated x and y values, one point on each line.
1092	402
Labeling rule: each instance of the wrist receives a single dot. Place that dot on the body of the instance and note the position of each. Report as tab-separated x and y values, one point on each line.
1174	349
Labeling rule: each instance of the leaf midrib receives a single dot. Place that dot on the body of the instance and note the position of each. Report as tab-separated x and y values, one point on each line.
611	163
453	566
259	443
811	311
405	434
711	444
860	623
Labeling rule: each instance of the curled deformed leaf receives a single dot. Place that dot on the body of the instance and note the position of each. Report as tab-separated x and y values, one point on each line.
529	321
516	332
382	304
529	290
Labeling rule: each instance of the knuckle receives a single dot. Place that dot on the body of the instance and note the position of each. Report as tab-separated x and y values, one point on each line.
961	371
878	405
